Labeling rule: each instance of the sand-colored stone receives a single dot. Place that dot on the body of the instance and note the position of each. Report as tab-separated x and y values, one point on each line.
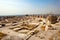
52	19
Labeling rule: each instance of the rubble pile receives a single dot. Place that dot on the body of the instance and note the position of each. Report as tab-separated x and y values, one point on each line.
30	27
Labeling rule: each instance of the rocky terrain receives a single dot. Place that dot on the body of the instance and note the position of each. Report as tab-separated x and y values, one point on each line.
30	27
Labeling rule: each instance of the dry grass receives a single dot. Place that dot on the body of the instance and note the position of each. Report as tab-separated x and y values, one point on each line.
2	35
43	28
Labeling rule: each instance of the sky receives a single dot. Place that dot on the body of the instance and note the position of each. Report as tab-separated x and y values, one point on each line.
22	7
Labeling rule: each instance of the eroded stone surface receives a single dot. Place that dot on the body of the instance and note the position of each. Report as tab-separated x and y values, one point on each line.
30	28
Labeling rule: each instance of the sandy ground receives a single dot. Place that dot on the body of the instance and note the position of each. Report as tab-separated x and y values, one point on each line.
50	34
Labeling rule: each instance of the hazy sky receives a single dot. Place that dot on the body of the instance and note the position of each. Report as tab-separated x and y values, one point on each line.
18	7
